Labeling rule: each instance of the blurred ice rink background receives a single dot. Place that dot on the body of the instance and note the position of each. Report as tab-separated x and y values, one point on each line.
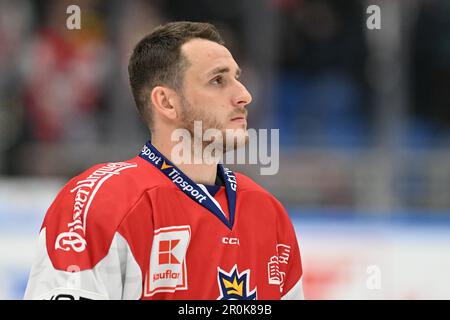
364	119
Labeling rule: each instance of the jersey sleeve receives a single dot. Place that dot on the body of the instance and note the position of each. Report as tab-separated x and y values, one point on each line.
289	258
81	253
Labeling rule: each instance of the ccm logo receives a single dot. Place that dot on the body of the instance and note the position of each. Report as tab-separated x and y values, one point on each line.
226	240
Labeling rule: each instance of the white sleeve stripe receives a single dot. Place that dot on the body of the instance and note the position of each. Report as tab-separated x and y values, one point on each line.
117	276
296	292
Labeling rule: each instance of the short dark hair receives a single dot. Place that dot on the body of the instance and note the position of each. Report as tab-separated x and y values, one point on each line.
157	59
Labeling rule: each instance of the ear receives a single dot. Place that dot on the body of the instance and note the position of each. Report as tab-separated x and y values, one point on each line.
163	101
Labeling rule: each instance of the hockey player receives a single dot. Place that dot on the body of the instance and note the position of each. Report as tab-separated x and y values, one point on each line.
150	228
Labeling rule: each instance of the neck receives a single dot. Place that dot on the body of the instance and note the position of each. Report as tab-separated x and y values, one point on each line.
199	173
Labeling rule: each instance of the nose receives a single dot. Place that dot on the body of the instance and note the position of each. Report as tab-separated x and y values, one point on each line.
242	97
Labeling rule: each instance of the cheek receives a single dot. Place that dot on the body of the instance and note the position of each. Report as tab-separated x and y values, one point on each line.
209	107
208	97
199	95
214	117
219	112
212	109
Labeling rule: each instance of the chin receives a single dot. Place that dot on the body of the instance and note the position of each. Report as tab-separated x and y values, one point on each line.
235	138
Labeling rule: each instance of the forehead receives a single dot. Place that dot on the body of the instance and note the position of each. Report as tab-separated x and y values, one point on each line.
204	55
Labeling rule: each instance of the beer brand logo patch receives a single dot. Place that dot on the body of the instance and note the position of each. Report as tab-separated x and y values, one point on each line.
74	237
275	265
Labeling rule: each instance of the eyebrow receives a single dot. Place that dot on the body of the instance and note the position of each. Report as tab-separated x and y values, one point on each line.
220	70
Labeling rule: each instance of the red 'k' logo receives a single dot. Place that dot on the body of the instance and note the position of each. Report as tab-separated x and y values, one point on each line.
166	248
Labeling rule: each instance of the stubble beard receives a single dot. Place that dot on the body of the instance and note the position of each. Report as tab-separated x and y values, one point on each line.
232	139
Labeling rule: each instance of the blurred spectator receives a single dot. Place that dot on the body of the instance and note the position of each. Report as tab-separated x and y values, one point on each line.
16	18
130	23
431	71
63	74
320	93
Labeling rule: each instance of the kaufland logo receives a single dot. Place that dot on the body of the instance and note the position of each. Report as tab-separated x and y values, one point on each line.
166	248
166	256
167	271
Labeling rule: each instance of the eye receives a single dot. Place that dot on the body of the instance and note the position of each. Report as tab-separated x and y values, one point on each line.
217	80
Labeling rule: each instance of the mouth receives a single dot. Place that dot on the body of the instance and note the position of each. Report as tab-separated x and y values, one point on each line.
239	119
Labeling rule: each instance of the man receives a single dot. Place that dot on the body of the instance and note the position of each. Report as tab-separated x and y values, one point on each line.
147	228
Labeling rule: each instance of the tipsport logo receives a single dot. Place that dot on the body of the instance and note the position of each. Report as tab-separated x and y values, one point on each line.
153	157
231	178
234	285
176	178
173	174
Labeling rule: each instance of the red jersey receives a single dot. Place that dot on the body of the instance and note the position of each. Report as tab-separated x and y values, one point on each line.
141	230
